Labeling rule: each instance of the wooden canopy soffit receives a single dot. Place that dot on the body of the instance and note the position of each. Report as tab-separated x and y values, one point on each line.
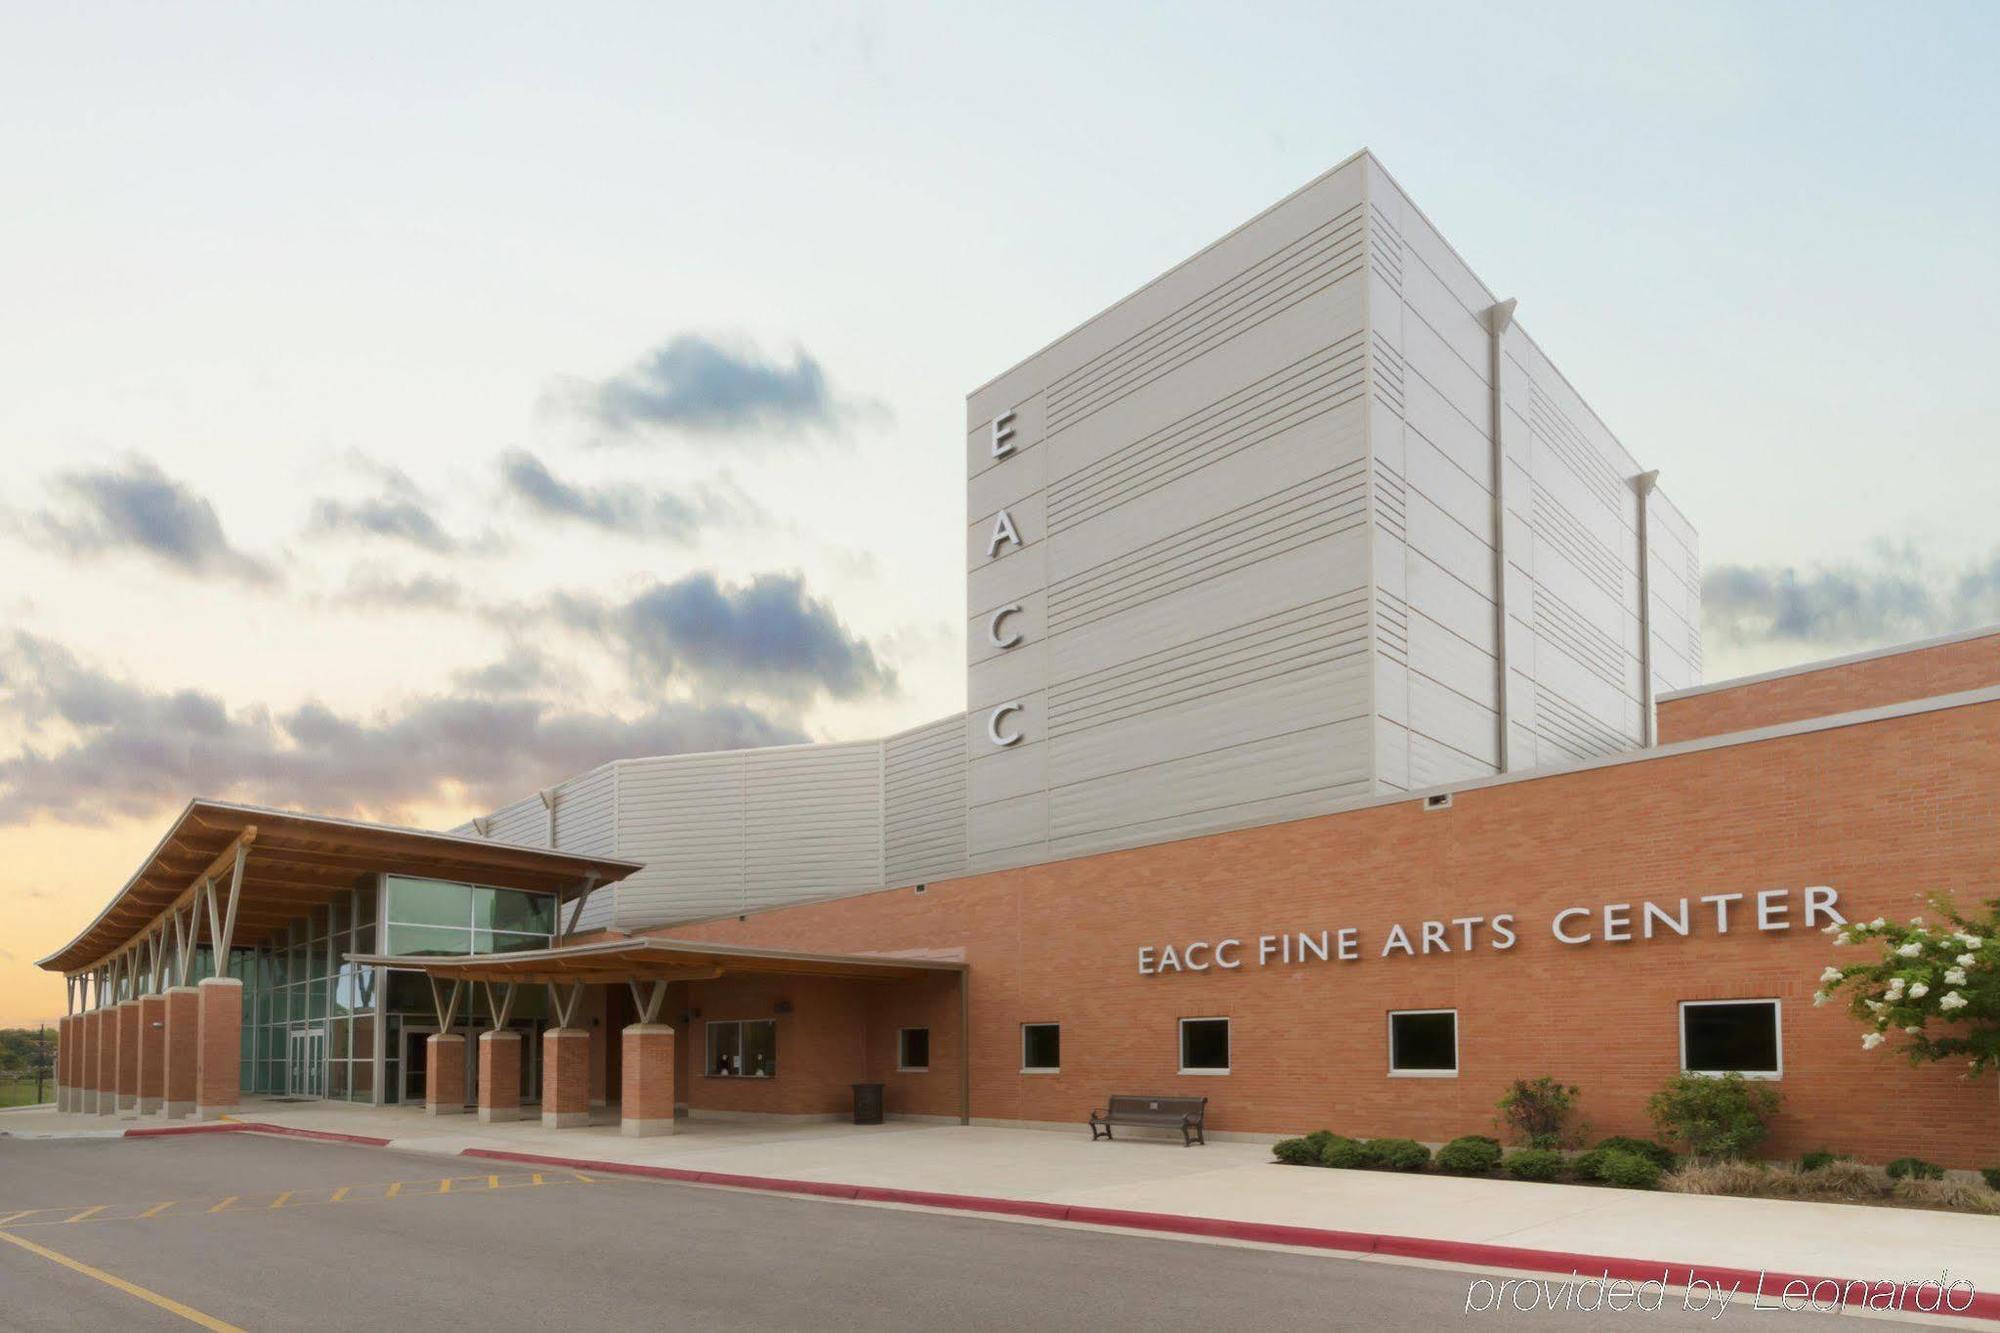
613	962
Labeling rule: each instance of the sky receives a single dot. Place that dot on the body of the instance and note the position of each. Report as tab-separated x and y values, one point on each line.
405	407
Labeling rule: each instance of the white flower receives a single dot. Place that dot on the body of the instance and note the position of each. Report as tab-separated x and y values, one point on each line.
1828	977
1910	950
1952	1000
1878	923
1874	1006
1833	929
1921	989
1954	976
1871	1040
1971	941
1913	1029
1820	998
1843	938
1967	959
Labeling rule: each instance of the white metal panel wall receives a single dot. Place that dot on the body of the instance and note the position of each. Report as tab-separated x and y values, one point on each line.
1571	535
525	822
1188	476
923	803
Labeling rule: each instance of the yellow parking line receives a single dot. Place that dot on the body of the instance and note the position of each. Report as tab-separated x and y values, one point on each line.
15	1217
85	1214
395	1188
225	1203
279	1202
492	1183
340	1194
166	1303
444	1186
156	1210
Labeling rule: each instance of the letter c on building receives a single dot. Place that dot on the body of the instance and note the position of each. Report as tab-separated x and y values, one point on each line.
993	720
1556	926
993	627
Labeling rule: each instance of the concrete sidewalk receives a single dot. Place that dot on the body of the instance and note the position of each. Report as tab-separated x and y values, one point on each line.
1235	1182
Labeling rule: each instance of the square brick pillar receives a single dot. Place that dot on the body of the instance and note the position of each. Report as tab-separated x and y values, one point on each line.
127	1019
88	1059
647	1097
152	1051
107	1060
444	1079
62	1064
218	1075
565	1078
180	1059
499	1076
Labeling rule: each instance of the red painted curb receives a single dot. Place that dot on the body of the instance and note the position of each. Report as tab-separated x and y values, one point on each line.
1984	1305
252	1127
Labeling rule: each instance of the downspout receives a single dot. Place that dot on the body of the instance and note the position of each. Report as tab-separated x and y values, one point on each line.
548	795
1648	711
1499	319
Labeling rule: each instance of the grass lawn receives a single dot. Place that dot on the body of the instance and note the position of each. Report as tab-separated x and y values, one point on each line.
21	1091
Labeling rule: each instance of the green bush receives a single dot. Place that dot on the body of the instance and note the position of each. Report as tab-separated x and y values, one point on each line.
1714	1117
1398	1154
1659	1154
1914	1168
1992	1174
1538	1111
1820	1157
1295	1152
1628	1171
1319	1138
1533	1164
1471	1155
1346	1153
1589	1165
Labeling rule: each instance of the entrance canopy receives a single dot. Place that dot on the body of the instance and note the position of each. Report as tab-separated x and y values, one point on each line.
610	962
237	874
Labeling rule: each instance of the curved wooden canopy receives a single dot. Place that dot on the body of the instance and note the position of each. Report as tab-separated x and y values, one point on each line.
647	958
295	862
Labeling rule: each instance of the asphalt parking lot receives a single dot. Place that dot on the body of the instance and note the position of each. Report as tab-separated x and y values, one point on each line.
243	1231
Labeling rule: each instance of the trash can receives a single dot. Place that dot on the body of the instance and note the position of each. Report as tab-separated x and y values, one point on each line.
868	1103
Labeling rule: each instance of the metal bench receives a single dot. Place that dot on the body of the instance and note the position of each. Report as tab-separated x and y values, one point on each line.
1187	1114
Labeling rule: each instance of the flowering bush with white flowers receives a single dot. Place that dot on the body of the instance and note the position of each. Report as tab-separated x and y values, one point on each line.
1934	984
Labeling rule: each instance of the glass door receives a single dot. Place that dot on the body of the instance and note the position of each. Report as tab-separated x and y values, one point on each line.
305	1065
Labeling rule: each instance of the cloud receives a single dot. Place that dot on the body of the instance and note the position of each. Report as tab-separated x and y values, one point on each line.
769	635
627	509
375	589
106	748
137	507
695	385
399	511
1891	596
523	670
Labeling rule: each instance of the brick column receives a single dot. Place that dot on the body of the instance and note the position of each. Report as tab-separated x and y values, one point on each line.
444	1081
565	1078
499	1076
107	1061
219	1047
62	1064
86	1062
647	1100
128	1057
180	1059
152	1052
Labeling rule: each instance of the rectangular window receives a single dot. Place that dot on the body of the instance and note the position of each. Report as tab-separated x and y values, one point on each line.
1204	1046
1423	1043
743	1049
913	1050
1731	1037
1041	1048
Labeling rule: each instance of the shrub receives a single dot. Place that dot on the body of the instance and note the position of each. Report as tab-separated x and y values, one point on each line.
1471	1155
1819	1157
1842	1179
1960	1196
1346	1153
1533	1164
1992	1175
1659	1154
1750	1180
1914	1168
1319	1138
1398	1154
1295	1152
1628	1171
1712	1117
1590	1165
1538	1111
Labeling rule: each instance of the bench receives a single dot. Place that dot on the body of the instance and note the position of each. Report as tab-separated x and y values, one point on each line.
1186	1114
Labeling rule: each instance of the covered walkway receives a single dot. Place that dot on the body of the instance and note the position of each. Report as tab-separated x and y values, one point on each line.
781	1034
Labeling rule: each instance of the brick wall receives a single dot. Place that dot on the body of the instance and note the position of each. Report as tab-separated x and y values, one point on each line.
1884	812
1918	674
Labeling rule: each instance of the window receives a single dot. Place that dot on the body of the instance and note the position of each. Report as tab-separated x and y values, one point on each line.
1041	1048
1423	1043
1204	1046
1731	1037
746	1049
913	1050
